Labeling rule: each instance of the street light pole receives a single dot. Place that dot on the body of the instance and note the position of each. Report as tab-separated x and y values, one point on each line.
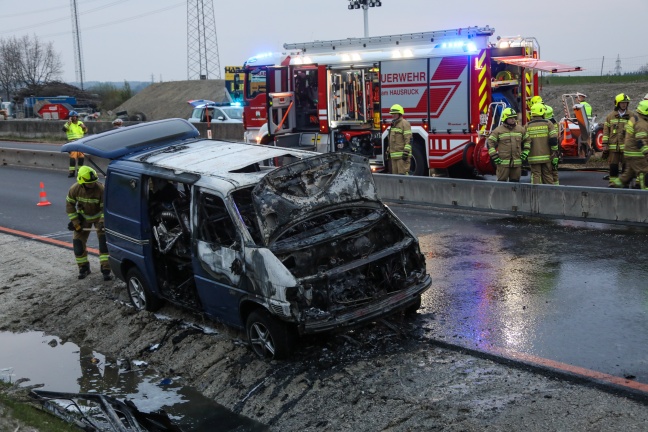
365	5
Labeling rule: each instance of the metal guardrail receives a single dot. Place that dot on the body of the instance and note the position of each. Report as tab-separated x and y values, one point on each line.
619	206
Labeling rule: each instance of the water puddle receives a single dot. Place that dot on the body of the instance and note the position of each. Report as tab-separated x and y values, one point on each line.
66	367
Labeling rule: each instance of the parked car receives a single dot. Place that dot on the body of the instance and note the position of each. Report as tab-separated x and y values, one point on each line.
218	113
277	241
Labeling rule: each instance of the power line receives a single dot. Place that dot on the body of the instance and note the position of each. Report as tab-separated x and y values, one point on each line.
62	19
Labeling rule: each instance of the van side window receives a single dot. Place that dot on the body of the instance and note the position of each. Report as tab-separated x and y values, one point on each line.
216	225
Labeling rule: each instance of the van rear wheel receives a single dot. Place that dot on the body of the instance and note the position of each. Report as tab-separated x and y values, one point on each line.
269	338
139	293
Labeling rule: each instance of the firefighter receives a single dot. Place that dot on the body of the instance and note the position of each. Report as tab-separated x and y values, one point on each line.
74	130
635	150
588	108
400	141
505	147
534	100
84	207
540	146
614	135
549	115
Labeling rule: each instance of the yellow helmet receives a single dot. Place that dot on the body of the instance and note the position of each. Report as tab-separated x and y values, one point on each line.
535	100
396	109
548	112
621	97
538	110
642	108
508	113
86	175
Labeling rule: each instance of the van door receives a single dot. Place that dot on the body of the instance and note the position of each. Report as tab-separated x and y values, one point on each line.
218	257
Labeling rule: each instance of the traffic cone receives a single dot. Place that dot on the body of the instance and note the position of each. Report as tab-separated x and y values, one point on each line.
568	144
43	196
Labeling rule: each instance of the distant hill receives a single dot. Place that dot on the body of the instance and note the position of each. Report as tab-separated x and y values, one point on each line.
169	99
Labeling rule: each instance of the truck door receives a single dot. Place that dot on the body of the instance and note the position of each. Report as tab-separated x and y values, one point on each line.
281	101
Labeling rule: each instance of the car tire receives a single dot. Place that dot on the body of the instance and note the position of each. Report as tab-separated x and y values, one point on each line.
138	116
468	155
414	307
269	338
139	293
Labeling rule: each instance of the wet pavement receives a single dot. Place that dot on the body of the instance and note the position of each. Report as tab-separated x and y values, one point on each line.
569	292
65	367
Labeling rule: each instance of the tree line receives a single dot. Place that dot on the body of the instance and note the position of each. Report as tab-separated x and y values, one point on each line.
29	66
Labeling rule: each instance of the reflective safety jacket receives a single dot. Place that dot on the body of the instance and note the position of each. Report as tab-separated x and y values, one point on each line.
86	202
636	137
588	109
400	138
506	142
541	138
614	130
74	131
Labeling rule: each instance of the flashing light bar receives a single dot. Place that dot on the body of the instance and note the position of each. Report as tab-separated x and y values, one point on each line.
470	47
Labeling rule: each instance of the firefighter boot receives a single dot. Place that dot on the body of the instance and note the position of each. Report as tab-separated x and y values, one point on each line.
106	275
84	271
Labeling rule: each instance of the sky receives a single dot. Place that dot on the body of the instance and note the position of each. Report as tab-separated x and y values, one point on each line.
146	40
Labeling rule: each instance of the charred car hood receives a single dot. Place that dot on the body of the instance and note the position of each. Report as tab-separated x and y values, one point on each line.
291	193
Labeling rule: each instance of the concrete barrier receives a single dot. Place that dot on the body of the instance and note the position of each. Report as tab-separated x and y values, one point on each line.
51	130
44	159
623	206
620	206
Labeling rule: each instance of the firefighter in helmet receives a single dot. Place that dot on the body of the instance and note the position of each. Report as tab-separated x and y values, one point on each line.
505	147
588	108
535	100
549	115
540	146
74	129
84	207
635	150
400	141
614	135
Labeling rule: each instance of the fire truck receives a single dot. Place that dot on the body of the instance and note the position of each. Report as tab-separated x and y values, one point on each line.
453	84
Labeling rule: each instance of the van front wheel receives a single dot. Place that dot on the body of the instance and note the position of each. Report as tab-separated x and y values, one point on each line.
269	338
139	293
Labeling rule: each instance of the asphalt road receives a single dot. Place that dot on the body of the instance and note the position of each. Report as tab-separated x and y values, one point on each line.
569	292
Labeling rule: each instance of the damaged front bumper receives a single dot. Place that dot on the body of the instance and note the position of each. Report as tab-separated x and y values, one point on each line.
392	303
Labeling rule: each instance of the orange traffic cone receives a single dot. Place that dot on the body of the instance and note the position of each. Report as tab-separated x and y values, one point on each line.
568	145
43	196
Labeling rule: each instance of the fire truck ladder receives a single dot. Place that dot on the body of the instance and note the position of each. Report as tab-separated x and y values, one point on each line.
376	42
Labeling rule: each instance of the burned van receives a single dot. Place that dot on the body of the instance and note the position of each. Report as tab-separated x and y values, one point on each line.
279	242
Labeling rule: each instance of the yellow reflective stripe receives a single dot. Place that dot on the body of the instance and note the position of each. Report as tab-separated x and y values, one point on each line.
396	129
103	257
407	132
544	158
633	154
641	135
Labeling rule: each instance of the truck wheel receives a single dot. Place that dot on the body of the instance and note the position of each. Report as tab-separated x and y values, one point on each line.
418	161
597	139
468	155
139	293
269	338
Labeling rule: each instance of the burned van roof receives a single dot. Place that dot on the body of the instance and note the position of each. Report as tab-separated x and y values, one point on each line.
117	143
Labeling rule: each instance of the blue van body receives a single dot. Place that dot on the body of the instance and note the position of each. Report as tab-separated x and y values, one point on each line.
278	241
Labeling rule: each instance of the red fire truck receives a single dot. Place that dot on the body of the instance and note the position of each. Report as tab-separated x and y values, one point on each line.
453	84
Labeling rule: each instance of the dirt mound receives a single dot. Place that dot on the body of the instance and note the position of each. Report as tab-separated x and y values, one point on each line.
600	96
169	99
